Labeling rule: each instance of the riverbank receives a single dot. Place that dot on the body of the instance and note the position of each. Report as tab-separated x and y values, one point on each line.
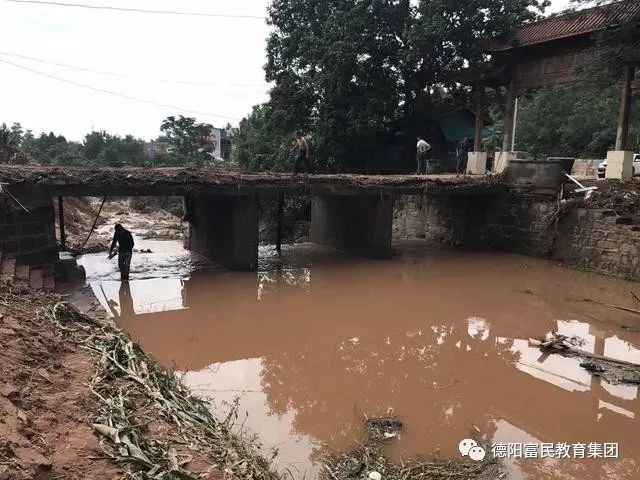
147	217
80	400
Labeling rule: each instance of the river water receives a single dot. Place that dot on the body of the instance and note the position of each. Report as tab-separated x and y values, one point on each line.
316	340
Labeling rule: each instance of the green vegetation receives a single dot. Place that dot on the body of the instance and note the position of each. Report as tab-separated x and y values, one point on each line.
572	121
344	70
183	136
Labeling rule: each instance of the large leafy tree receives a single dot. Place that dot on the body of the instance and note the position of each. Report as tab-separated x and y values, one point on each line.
573	122
185	134
344	69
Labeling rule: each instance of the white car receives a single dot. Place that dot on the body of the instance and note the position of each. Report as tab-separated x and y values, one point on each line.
602	168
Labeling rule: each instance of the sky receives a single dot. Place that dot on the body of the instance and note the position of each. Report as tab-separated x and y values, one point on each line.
152	65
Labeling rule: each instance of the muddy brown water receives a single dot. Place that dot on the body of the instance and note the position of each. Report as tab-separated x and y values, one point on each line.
316	340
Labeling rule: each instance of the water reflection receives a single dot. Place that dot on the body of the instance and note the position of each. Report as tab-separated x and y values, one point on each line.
311	349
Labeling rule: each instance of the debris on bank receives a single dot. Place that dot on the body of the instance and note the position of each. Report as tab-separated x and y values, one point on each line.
369	462
124	416
612	370
45	405
148	420
621	196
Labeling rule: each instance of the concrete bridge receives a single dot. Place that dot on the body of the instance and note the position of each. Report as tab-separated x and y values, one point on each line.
353	213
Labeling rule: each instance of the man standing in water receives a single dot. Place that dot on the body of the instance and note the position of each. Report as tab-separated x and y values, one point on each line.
422	154
302	160
124	239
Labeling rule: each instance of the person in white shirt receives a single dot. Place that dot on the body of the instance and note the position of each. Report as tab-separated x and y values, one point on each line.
423	152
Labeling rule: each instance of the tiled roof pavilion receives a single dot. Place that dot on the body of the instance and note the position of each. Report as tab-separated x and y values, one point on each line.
572	24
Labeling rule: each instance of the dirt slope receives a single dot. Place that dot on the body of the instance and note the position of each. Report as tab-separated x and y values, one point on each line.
45	405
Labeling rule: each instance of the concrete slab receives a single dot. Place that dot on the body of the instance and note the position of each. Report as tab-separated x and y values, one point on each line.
35	279
619	165
477	163
22	272
8	270
502	160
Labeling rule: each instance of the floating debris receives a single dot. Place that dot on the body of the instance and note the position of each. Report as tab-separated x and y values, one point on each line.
384	428
612	370
368	461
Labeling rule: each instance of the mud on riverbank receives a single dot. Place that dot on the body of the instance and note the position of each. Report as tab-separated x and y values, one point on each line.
79	400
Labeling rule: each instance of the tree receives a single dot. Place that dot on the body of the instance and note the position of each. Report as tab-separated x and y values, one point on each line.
345	69
118	152
185	135
93	144
10	140
257	146
569	121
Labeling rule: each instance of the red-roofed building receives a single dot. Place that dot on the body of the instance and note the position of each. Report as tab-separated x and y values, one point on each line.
549	51
573	24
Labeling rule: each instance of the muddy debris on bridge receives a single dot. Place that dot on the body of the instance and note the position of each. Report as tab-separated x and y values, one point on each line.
621	197
185	180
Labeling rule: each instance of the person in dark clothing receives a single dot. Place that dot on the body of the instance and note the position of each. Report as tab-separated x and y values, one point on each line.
462	154
124	239
302	160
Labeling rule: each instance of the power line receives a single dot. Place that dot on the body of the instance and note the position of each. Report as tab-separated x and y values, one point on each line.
125	76
140	10
117	94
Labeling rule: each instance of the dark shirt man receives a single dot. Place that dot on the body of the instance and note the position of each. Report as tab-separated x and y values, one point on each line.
124	239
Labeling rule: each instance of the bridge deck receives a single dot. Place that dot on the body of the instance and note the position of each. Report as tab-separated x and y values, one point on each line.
95	181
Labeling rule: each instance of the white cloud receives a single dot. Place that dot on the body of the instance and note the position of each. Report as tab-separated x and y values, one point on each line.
144	48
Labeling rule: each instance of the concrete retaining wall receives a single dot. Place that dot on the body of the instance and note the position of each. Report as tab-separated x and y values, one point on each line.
593	240
29	237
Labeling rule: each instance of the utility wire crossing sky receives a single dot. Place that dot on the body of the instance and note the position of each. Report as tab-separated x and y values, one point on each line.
75	67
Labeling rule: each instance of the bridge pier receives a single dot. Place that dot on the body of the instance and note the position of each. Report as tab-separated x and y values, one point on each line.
224	229
356	224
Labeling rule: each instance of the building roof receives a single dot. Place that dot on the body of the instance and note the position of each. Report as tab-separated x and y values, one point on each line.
570	24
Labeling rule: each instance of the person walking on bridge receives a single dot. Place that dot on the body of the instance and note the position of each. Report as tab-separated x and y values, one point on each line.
302	160
124	239
422	154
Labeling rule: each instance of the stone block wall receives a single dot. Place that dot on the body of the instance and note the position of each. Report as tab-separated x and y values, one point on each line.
451	219
599	241
520	224
589	239
29	237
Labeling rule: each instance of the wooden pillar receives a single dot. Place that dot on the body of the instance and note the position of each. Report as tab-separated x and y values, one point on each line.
479	94
625	109
279	227
509	117
63	235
